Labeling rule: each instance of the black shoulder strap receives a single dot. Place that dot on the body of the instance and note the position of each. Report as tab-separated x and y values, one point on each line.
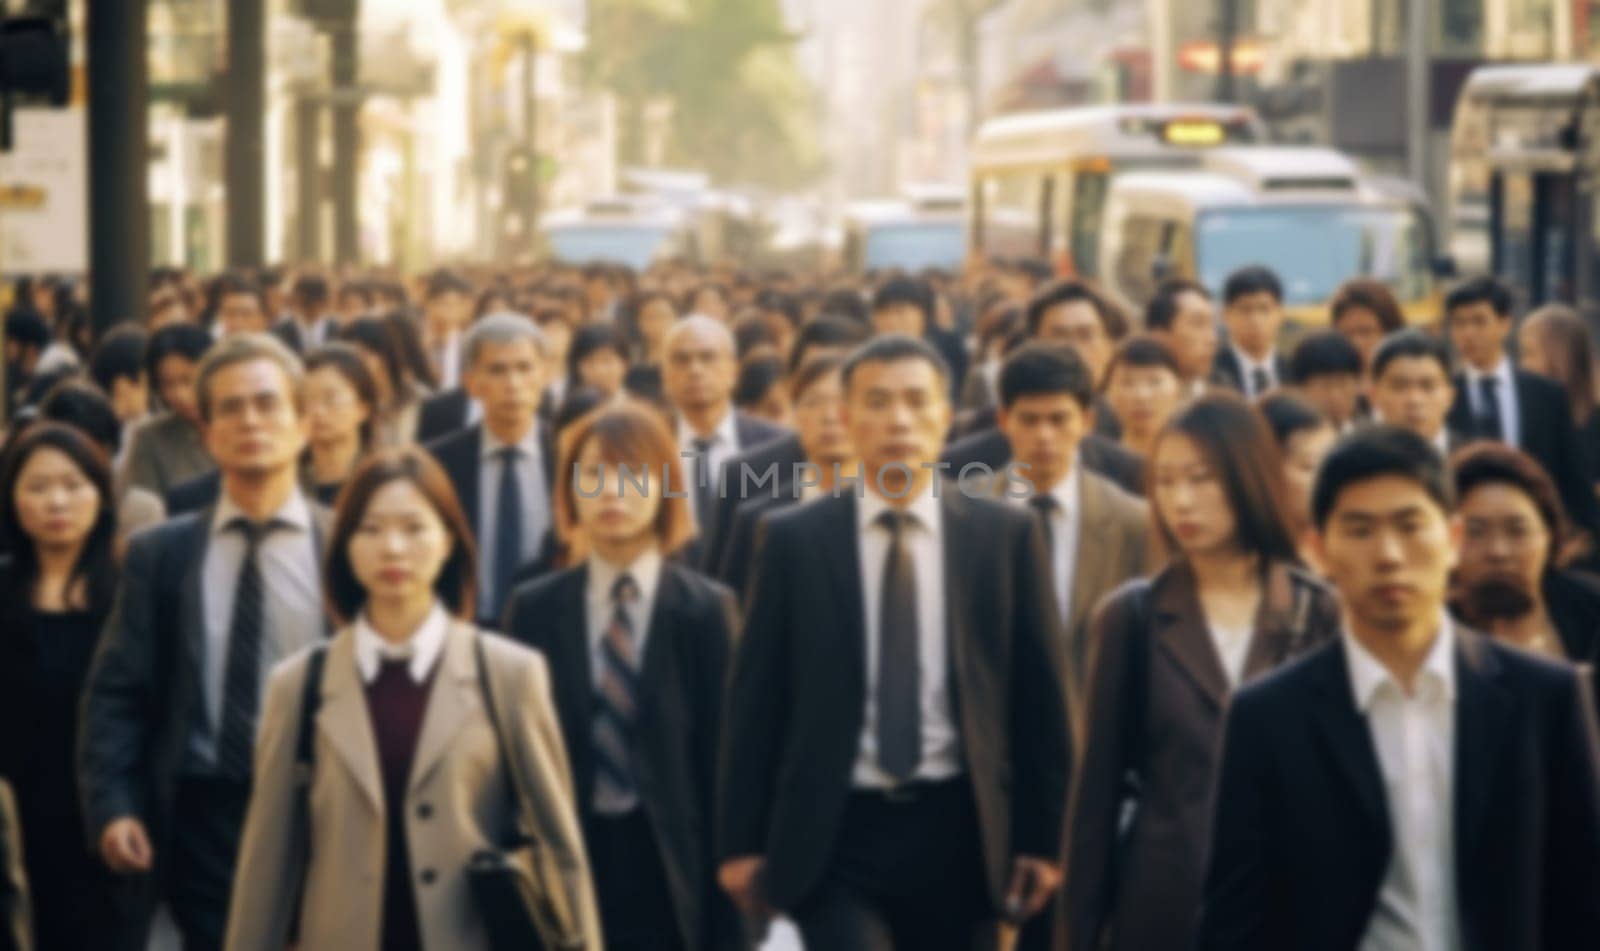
1137	713
305	759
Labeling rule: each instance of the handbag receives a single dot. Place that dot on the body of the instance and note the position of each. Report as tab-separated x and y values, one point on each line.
513	886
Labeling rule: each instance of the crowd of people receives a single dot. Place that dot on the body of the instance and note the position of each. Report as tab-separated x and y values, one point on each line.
947	611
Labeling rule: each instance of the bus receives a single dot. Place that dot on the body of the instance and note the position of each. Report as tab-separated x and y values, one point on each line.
926	230
615	231
1307	213
1524	158
1039	180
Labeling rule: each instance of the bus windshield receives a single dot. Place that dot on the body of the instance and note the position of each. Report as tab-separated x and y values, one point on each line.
1315	249
634	245
913	247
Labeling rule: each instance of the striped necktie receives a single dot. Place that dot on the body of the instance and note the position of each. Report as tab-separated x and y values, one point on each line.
617	706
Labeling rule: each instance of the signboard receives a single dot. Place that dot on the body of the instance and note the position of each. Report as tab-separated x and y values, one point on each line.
44	180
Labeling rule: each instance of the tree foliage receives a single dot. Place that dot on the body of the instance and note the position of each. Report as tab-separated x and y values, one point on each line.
740	108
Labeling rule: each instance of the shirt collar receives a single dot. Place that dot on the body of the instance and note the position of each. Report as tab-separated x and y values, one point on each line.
726	434
1066	491
1247	364
603	574
1501	372
529	444
422	648
295	512
924	508
1368	675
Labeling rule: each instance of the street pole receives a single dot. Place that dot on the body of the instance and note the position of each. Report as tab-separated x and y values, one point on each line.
1227	35
245	95
530	115
308	162
1418	109
119	206
346	107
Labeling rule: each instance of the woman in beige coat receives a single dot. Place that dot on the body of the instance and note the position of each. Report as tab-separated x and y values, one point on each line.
407	781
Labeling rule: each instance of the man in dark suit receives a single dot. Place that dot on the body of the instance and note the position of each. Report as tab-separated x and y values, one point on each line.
444	413
1075	314
503	468
208	602
1411	388
192	495
896	752
1183	316
1097	453
310	324
638	648
1495	400
1252	310
905	305
1412	784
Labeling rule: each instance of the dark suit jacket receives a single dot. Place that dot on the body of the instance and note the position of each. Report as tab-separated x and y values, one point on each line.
1097	453
143	686
674	750
461	455
1302	838
1147	891
780	448
441	414
294	337
192	495
796	694
1226	371
738	557
1546	432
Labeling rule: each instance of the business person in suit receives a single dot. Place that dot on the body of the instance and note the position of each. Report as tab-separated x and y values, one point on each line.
409	775
1252	310
168	447
896	753
505	464
310	324
638	649
446	412
206	604
1412	388
1098	454
828	467
1167	654
1445	789
1495	400
1183	316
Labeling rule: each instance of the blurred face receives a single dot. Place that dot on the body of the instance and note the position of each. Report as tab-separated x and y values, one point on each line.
900	318
897	414
710	302
557	341
819	421
1077	324
618	513
1301	458
1253	323
448	312
334	411
508	380
1362	328
1479	334
1530	351
604	370
400	545
175	378
1388	548
1190	500
254	429
56	502
654	319
1502	535
1193	337
1335	394
1044	431
1414	392
241	313
700	370
1144	397
130	397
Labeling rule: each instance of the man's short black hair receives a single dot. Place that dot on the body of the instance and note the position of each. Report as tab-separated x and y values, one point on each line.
1046	369
845	302
119	355
825	331
1324	353
311	289
893	348
1410	344
229	283
28	327
905	290
185	340
1254	279
1374	452
447	282
787	305
1483	289
76	402
1111	317
1163	307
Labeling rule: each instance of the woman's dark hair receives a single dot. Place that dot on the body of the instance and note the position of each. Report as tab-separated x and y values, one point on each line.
592	338
1289	415
77	403
628	319
95	568
1495	463
413	356
455	584
1241	450
1372	295
1372	453
758	374
1142	350
377	336
180	340
345	360
119	356
751	331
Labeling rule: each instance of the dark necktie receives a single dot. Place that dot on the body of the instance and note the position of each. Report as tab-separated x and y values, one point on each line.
1490	425
507	526
704	479
1260	382
899	687
1045	508
241	679
617	705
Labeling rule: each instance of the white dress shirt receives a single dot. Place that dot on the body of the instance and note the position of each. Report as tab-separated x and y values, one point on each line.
924	542
419	651
1414	736
1247	371
724	446
291	589
533	492
1233	648
1505	395
1064	524
447	360
646	574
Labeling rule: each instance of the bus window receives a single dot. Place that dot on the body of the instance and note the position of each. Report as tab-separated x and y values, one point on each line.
1011	214
1139	247
1088	204
1512	227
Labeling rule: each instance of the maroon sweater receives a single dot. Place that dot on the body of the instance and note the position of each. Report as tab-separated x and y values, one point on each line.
396	704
